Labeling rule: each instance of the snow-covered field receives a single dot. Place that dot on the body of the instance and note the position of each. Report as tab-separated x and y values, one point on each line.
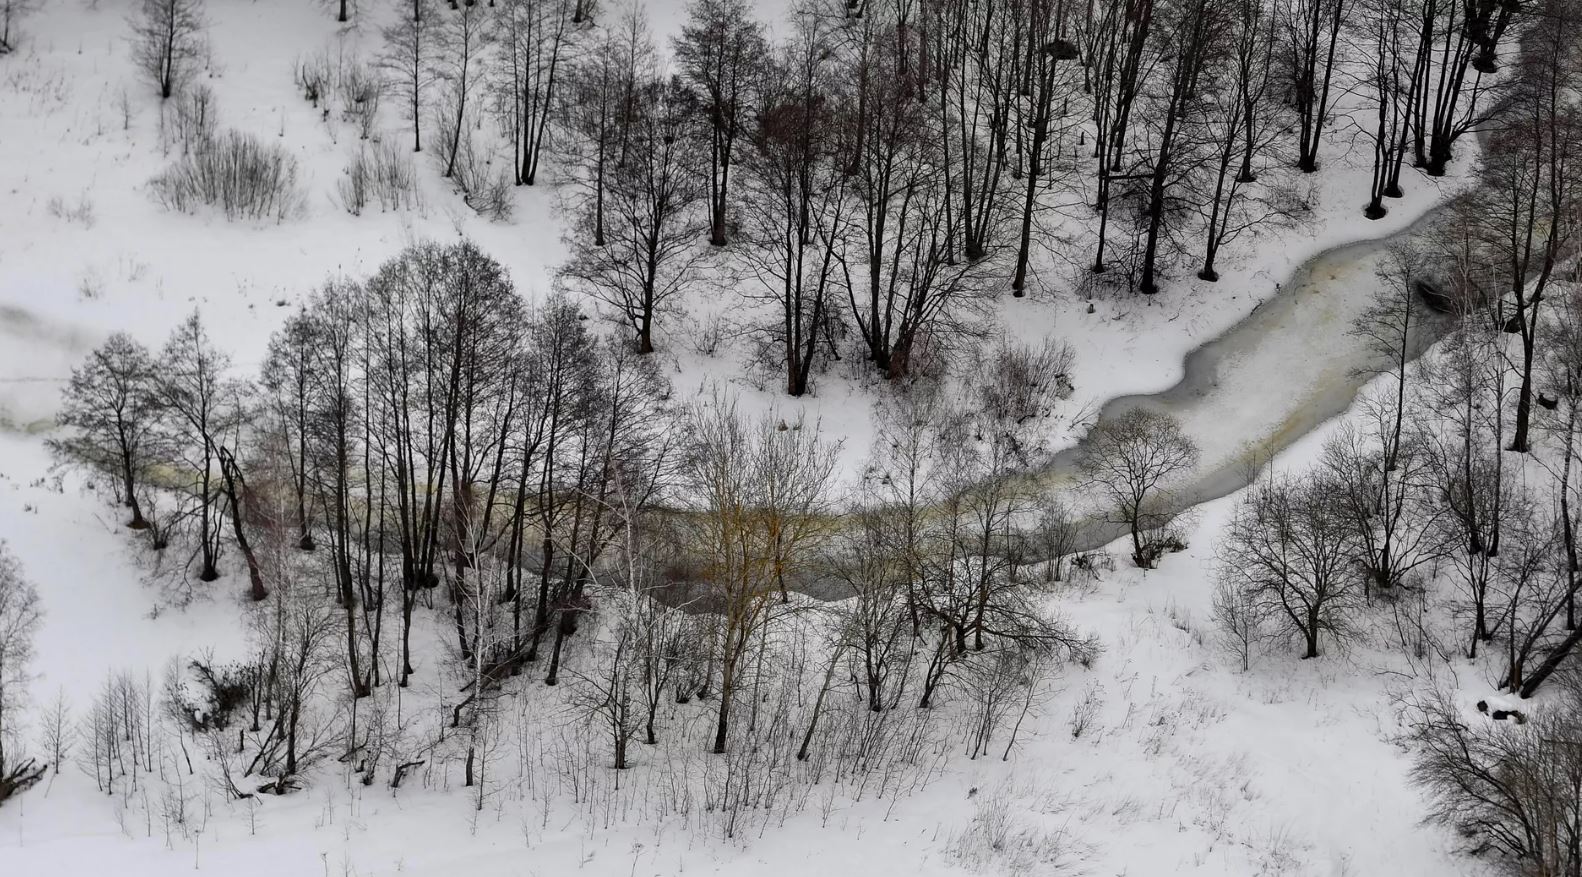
1182	765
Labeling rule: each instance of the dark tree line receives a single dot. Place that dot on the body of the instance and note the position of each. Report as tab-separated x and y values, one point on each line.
869	180
423	451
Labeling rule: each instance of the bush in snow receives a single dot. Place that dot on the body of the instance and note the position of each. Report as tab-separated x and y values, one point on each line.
313	76
237	173
1000	840
485	188
1238	620
359	89
80	212
189	121
380	174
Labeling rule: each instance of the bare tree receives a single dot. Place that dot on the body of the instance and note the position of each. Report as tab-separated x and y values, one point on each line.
1194	33
1309	41
168	42
1131	458
1563	375
300	629
1468	389
234	485
1239	617
638	643
1385	498
599	102
408	62
336	446
1054	536
910	296
538	41
1049	72
1289	550
1244	130
905	477
608	695
1382	468
202	403
1450	38
57	734
1393	78
1119	52
476	591
1530	592
662	641
796	217
288	372
973	49
874	624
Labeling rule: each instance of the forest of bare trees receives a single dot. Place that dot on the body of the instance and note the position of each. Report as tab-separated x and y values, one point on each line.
423	452
432	483
871	177
1441	518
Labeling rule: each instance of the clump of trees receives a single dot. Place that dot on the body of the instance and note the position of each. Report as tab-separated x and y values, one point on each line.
875	176
1443	515
168	421
422	452
880	170
1509	787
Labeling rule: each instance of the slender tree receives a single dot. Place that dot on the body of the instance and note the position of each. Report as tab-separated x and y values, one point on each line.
408	61
721	53
168	42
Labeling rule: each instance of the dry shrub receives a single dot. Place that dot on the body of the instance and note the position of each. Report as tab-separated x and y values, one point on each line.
236	172
380	174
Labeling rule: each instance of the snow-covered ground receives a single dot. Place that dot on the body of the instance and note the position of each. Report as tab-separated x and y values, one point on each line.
1186	766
